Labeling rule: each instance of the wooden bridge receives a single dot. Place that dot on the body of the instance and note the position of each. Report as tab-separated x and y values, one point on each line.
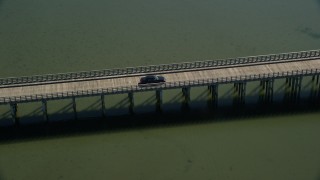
265	68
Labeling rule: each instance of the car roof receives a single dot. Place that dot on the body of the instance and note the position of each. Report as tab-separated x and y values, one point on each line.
150	76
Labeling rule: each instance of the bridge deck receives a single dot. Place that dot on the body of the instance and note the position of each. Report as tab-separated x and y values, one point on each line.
187	75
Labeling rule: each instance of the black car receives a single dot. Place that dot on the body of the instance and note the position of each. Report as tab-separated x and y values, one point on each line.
152	79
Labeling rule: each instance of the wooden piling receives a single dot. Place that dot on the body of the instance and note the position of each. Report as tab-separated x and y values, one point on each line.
14	110
45	110
240	92
243	92
268	92
74	107
186	94
214	94
131	102
299	87
271	85
159	100
103	106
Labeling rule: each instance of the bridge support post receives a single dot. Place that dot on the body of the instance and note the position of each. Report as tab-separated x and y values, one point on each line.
267	90
296	87
74	107
213	89
14	109
45	110
103	106
239	92
159	100
293	88
270	90
318	86
318	89
287	96
131	102
186	95
315	89
299	84
243	92
235	93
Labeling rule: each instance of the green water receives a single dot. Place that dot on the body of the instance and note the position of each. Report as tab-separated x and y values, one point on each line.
42	36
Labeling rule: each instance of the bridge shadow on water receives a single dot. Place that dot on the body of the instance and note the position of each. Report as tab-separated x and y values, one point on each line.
152	120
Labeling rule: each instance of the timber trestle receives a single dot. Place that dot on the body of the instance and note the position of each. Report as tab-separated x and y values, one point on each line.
293	68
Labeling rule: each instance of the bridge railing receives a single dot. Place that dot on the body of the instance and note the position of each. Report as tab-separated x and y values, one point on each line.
168	85
158	68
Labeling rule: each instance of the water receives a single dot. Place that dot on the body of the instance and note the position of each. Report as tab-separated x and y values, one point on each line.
38	37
